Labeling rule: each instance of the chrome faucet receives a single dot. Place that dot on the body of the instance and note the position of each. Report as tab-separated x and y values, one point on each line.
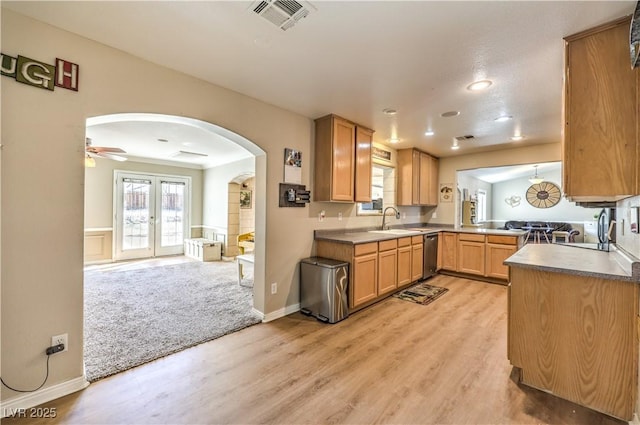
384	215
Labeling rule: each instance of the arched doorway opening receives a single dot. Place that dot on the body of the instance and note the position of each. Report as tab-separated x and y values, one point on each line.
144	138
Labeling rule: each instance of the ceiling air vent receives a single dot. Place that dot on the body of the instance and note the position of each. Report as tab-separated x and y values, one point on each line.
465	137
282	13
189	156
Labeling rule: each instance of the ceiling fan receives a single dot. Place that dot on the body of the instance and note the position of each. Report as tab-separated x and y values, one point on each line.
102	152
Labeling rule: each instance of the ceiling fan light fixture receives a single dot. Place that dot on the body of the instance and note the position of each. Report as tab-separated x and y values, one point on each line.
479	85
536	179
89	162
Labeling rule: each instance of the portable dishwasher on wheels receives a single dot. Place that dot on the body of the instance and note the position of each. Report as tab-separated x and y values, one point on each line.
323	289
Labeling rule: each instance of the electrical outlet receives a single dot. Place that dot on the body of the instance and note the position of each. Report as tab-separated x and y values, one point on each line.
434	215
61	339
321	216
404	215
339	216
274	288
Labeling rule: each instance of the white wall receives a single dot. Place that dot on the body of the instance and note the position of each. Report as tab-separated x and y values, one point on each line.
630	242
563	211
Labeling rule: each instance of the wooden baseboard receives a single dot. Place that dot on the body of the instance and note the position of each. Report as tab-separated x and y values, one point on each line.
474	277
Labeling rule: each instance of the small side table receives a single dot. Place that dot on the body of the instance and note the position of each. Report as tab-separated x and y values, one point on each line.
243	260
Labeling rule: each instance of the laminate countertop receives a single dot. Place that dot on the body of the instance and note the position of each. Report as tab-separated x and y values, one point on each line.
366	236
572	259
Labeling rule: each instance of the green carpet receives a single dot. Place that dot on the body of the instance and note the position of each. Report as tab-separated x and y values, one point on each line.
421	293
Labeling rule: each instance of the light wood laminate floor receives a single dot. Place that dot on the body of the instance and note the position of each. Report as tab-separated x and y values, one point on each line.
395	362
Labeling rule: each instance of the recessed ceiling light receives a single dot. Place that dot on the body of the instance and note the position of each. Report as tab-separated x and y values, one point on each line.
394	140
503	118
479	85
450	114
163	140
429	133
390	111
516	138
455	147
186	143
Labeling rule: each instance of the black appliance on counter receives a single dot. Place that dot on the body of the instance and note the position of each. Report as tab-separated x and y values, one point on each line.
606	227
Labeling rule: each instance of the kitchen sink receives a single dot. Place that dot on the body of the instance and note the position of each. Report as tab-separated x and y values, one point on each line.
394	231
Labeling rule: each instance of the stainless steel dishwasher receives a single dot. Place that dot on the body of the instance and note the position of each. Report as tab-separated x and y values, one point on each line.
430	255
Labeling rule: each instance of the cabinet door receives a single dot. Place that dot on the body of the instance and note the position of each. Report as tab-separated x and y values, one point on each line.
434	171
387	271
365	279
417	261
448	253
471	257
601	115
425	177
342	187
404	265
415	177
364	138
495	256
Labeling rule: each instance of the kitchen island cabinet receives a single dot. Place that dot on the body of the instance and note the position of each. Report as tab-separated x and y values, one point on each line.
600	144
573	325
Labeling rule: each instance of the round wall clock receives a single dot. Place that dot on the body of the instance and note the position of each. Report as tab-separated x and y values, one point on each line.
543	195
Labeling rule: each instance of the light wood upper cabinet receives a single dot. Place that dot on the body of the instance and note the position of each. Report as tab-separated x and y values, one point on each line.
417	178
364	140
600	145
342	161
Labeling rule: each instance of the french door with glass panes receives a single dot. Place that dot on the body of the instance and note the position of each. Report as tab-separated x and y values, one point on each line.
151	215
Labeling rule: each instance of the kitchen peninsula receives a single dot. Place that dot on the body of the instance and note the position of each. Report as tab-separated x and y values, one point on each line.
573	324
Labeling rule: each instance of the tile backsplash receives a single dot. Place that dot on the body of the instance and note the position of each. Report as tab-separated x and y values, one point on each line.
625	239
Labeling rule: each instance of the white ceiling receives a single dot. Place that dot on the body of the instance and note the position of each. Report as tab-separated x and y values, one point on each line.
357	58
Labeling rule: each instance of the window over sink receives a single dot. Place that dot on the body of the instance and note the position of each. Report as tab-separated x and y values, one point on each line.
383	190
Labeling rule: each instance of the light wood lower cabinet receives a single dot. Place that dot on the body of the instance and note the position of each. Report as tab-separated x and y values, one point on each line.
477	254
417	258
405	252
376	268
471	253
495	256
576	337
387	266
448	245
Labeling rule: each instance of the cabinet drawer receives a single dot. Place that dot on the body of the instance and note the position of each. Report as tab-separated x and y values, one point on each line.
365	248
471	237
387	245
404	241
417	239
504	240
